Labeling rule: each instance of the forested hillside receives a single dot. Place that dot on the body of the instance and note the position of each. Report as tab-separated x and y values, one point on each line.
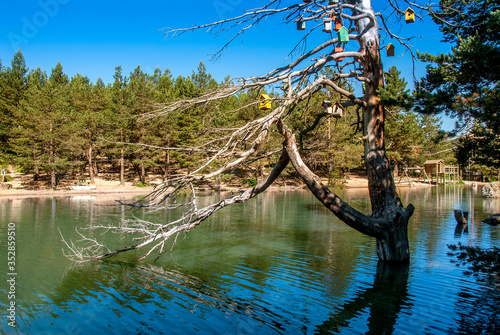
59	128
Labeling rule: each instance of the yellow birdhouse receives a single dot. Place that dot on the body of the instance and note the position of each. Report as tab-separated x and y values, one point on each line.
390	50
265	102
409	15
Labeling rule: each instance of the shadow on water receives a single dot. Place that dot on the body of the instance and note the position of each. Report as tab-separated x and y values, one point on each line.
141	298
146	299
384	299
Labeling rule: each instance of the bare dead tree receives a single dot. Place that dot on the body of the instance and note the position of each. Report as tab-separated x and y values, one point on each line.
388	222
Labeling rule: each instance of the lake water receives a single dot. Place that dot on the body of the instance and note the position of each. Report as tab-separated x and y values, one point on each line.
278	264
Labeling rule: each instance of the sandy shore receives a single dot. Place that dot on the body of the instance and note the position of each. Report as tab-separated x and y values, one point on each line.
110	187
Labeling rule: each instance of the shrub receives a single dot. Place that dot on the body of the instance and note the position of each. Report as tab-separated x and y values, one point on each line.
250	182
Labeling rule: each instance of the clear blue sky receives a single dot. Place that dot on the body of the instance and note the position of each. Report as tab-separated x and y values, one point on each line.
93	37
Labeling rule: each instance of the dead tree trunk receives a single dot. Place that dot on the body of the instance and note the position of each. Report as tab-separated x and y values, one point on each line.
388	221
386	204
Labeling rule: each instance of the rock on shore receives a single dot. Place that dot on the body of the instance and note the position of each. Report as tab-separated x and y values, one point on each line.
492	190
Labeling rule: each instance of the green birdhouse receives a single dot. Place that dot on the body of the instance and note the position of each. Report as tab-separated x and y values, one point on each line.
409	15
343	35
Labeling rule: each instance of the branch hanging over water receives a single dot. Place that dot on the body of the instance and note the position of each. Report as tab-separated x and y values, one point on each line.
154	236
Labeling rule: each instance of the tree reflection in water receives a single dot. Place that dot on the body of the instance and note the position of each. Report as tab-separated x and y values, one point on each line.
385	300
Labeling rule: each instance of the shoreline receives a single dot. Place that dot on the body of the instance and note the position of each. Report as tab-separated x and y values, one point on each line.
110	188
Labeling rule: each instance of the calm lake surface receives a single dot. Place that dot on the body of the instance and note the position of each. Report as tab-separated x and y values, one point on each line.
278	264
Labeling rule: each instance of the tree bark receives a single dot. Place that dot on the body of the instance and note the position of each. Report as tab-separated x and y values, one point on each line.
53	179
143	173
122	163
89	159
393	244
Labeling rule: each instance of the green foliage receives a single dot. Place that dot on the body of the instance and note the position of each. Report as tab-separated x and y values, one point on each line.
465	83
483	263
226	177
395	94
55	124
411	138
141	184
12	90
480	145
250	182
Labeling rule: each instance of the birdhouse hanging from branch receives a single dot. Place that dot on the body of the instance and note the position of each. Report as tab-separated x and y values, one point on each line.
343	35
265	102
327	22
409	15
301	25
338	23
390	50
335	110
285	84
337	50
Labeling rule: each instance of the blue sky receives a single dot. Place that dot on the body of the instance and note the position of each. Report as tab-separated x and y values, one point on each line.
93	37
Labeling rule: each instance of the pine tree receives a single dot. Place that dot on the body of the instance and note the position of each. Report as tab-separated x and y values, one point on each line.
88	107
466	82
44	126
12	91
120	117
140	89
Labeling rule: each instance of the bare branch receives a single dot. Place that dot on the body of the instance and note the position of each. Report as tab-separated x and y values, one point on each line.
155	236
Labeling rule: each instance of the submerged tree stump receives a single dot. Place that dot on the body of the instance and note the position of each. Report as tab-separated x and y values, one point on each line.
462	217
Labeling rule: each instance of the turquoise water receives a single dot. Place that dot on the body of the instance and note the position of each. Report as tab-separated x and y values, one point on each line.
278	264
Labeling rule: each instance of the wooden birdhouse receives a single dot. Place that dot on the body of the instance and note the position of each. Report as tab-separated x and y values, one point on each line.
265	102
409	15
390	50
338	23
339	49
327	22
285	84
343	35
301	25
327	106
335	110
